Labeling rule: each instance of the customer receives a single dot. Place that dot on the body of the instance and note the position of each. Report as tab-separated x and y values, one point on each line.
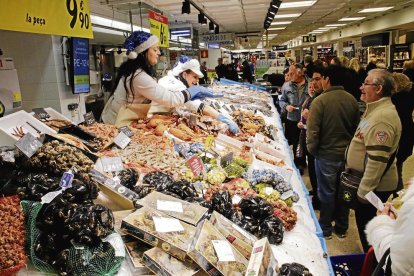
357	76
372	64
203	69
403	99
387	231
314	90
220	69
294	94
247	73
373	146
308	65
408	69
185	74
331	124
136	86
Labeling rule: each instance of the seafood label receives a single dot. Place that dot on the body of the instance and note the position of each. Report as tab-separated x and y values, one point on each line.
232	107
89	118
286	195
172	206
268	190
226	159
47	198
127	131
165	225
224	251
28	144
41	113
112	164
66	180
236	199
122	140
196	165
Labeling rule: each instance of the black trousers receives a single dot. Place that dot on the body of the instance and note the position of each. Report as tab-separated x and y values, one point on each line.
364	212
312	176
292	133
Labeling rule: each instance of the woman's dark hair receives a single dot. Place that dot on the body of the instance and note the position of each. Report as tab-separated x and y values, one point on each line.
182	79
128	68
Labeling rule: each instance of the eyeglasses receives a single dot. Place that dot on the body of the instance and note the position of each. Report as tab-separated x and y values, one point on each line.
315	79
366	84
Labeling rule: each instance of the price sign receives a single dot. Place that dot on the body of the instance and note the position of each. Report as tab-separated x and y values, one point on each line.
286	195
128	132
232	107
159	27
217	106
209	141
122	140
89	118
223	250
165	225
268	190
226	159
66	180
41	113
47	198
172	206
226	108
236	199
196	165
28	144
112	164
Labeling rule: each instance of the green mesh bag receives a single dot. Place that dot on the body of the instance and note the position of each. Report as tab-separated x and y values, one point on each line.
102	260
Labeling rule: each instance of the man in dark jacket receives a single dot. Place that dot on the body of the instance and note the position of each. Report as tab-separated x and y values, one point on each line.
220	69
331	126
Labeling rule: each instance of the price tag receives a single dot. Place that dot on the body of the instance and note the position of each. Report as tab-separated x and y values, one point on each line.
112	164
41	113
66	180
89	118
223	250
127	131
217	106
236	199
122	140
286	195
47	198
226	108
165	225
209	142
28	144
116	241
196	165
375	200
232	107
192	122
172	206
268	190
226	159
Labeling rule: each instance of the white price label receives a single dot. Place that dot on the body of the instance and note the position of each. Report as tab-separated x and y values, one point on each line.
286	195
224	251
112	164
375	200
47	198
268	190
236	199
172	206
122	140
165	225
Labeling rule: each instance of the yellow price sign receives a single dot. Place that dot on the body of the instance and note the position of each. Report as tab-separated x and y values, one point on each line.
209	142
63	17
159	27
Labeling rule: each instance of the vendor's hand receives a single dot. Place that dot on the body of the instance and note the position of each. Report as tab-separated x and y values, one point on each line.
301	125
386	211
232	125
198	92
305	113
290	108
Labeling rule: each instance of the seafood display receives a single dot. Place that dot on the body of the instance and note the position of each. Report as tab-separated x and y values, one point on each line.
103	131
56	124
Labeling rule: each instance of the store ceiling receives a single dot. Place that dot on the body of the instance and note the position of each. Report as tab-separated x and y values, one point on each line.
247	16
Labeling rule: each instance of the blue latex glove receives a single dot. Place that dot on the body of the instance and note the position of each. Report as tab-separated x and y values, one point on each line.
232	125
198	92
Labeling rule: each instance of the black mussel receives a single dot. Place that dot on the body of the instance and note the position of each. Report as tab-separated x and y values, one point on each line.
128	177
294	269
272	228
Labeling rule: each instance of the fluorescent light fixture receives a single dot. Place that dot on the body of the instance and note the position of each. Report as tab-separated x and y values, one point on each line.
336	25
375	9
323	29
351	18
289	15
272	12
105	22
276	29
297	4
281	23
180	32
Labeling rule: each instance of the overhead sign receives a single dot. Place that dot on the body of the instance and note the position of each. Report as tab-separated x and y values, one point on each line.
66	18
222	38
309	38
279	47
159	27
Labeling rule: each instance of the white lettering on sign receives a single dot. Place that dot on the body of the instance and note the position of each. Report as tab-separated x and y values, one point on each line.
217	37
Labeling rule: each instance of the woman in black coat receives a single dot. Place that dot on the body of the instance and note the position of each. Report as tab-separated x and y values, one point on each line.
247	73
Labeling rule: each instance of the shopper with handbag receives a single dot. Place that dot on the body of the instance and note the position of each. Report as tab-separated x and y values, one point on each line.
136	87
373	147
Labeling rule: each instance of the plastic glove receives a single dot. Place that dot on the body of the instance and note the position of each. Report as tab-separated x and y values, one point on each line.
232	125
198	92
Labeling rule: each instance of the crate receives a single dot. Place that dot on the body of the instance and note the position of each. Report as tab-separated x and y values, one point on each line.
348	265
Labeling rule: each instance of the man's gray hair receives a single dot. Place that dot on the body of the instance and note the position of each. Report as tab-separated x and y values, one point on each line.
385	79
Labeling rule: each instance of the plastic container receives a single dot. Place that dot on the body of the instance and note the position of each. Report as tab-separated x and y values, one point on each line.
347	265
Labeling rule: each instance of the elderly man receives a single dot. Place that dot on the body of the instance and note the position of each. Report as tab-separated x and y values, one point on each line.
294	93
332	122
372	149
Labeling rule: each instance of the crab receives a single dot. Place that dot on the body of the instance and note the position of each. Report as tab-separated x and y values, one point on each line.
18	132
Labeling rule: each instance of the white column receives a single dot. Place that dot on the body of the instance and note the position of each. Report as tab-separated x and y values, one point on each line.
314	52
340	49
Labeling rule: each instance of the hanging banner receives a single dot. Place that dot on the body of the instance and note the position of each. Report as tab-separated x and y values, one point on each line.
66	18
159	27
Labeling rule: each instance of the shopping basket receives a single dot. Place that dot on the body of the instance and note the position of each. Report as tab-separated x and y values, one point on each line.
347	265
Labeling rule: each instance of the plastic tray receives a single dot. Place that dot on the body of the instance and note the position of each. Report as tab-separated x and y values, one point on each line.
347	265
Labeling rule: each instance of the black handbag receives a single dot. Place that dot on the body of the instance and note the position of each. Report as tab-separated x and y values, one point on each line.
385	260
350	180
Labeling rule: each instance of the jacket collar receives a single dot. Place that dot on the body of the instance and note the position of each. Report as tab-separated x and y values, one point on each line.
381	102
332	88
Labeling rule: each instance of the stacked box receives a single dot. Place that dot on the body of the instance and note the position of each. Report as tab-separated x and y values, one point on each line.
262	261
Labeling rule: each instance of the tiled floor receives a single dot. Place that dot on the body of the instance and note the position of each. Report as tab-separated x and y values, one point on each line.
340	246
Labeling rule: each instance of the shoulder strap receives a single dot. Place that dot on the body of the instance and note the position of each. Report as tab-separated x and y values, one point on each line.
390	161
381	263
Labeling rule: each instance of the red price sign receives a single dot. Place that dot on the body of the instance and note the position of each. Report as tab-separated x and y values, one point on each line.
196	165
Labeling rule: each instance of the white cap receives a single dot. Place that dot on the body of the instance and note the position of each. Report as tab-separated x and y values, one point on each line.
192	65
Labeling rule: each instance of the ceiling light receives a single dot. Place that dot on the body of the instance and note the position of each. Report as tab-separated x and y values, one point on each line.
281	23
335	25
351	18
297	4
211	26
289	15
201	19
276	29
186	7
375	9
276	3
